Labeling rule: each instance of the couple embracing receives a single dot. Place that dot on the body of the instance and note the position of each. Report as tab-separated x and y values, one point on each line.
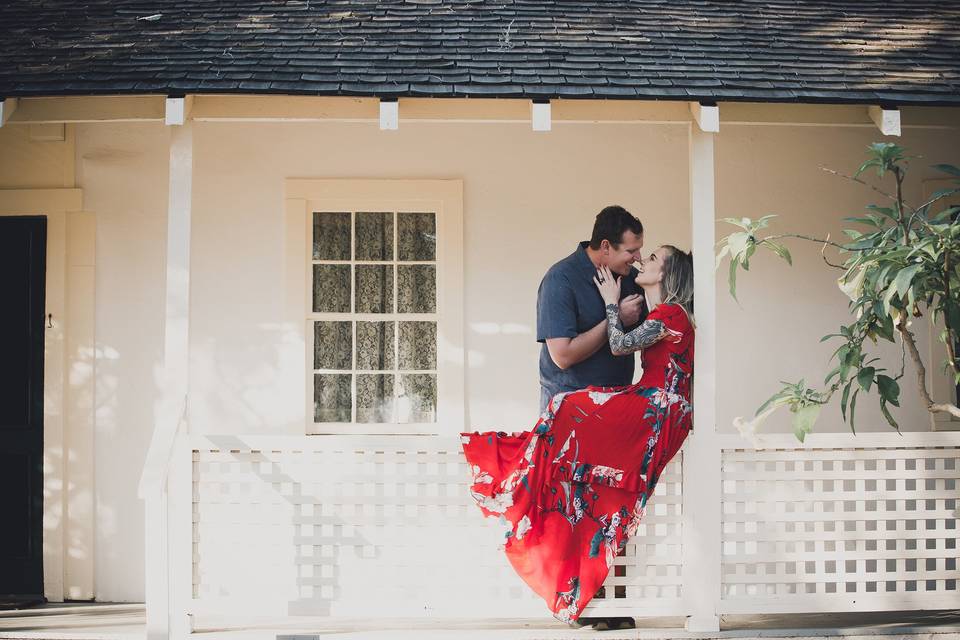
573	489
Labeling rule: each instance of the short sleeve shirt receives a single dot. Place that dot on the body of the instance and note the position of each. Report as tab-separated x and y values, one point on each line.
568	304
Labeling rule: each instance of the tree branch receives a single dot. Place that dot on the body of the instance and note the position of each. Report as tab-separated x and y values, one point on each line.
946	317
932	407
886	195
939	197
823	254
898	175
817	240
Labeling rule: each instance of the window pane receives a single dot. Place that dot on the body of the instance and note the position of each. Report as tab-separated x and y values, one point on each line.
417	236
331	288
374	236
331	236
374	288
416	288
417	401
332	345
375	346
374	398
418	345
332	397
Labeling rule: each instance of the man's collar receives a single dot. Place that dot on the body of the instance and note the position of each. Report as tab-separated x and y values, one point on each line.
584	257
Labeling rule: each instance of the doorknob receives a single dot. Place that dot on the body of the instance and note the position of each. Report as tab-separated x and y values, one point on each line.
49	321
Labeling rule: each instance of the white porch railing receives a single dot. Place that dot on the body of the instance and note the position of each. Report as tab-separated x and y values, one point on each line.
834	528
384	526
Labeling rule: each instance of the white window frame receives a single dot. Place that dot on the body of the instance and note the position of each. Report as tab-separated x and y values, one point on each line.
445	199
942	388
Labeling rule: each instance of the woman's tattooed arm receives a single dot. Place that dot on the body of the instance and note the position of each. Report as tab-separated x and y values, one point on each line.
640	338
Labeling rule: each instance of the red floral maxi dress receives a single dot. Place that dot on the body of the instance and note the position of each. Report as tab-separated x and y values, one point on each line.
574	489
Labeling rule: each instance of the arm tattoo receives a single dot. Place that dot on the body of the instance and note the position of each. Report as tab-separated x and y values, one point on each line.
642	337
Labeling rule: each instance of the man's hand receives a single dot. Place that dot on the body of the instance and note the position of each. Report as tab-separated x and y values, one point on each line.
630	309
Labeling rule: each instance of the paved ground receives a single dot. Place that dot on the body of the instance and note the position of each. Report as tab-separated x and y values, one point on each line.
126	622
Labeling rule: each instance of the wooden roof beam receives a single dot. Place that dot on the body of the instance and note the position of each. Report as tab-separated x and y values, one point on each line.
540	114
177	110
887	119
389	114
7	107
707	116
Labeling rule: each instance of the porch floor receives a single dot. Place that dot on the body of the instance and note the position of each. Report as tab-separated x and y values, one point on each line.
104	621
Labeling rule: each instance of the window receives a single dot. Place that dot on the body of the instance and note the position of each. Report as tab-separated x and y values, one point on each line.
384	294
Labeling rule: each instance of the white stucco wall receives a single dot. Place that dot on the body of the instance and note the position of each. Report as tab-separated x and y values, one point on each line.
528	198
774	334
123	170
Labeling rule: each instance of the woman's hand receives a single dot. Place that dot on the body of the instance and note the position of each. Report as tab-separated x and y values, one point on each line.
671	336
608	284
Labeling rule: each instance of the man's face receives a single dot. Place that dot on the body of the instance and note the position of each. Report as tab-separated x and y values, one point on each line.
619	257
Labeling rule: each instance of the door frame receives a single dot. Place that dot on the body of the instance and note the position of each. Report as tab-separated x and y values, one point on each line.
68	516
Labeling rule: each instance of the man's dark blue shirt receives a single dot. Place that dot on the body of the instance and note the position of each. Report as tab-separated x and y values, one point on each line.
568	304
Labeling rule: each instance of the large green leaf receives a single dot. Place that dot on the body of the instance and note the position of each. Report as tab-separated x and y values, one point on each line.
743	223
804	419
866	242
720	256
763	222
781	251
873	162
853	409
953	316
732	277
945	215
905	277
947	168
940	193
865	378
889	389
885	328
886	211
843	400
745	259
777	398
871	221
888	416
888	297
738	243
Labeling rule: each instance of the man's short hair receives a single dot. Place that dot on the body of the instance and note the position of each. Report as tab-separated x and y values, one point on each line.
611	224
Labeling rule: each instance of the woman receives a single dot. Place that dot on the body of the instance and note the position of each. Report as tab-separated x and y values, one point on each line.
574	489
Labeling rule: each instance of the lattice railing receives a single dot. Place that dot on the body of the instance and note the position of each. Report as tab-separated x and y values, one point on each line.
871	528
328	525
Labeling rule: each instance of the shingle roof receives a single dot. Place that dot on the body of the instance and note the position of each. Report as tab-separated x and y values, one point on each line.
903	52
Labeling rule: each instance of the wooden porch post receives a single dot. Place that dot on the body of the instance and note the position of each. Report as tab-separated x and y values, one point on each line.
701	456
167	537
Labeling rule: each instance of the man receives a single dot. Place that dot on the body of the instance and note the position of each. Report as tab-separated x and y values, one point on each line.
571	317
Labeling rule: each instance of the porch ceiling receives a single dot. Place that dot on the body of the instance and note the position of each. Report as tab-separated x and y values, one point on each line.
809	51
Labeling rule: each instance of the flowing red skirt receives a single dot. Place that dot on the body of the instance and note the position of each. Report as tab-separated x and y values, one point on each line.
573	490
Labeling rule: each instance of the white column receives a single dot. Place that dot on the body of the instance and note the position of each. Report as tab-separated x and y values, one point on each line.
180	536
79	409
165	595
701	454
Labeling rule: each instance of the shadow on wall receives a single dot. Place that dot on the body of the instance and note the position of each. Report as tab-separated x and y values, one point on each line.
265	566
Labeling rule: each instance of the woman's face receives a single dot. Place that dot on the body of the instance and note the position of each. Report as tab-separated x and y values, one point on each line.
651	268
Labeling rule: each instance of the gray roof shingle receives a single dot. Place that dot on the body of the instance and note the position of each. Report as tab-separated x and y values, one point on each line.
868	51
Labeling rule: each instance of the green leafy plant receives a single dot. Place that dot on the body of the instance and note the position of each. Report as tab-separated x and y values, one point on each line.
900	262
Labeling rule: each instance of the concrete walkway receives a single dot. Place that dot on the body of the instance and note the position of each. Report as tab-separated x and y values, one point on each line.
126	622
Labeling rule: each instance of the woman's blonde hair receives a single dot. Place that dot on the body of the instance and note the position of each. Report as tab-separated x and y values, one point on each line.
677	284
